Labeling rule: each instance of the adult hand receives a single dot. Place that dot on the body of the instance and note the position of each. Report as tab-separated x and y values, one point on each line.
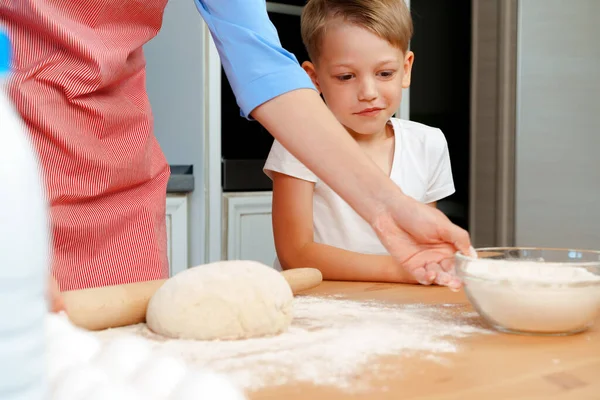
55	300
423	240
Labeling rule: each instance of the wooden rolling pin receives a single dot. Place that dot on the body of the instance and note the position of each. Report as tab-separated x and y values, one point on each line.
122	305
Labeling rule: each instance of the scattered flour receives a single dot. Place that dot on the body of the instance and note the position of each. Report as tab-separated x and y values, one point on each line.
331	342
535	297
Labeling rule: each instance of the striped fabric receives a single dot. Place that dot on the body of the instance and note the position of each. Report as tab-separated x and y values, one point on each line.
79	84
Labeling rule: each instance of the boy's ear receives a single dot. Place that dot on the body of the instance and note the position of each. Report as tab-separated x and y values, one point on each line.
409	58
312	73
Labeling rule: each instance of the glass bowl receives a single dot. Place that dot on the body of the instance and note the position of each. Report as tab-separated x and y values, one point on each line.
533	291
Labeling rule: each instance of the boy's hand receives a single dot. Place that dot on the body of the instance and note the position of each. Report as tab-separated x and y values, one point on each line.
423	241
55	301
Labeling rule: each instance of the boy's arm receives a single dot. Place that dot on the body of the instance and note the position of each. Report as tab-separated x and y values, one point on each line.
293	233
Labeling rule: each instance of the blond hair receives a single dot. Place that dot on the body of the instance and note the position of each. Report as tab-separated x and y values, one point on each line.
388	19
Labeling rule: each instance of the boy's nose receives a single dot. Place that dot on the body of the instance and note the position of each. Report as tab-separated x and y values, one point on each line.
367	91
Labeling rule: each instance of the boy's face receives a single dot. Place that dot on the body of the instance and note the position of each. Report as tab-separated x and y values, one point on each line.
361	76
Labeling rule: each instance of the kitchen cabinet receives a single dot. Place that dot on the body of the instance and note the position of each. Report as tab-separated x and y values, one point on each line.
177	232
248	233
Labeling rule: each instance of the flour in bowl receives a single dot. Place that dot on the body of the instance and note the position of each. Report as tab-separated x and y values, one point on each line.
535	297
531	271
331	342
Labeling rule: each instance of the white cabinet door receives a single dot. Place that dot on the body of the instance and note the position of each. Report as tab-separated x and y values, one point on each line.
177	233
248	230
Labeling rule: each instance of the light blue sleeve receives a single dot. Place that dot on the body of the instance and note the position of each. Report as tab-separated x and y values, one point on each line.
257	67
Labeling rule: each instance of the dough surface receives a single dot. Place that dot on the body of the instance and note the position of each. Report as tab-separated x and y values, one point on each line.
223	300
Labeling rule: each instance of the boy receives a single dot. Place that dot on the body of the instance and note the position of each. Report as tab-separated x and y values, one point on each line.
360	64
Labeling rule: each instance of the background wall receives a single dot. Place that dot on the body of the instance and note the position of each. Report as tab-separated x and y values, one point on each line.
558	128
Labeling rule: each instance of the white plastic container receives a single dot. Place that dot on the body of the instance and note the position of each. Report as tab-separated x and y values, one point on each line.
24	254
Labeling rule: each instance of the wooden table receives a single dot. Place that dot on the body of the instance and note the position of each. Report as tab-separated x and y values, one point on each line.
496	366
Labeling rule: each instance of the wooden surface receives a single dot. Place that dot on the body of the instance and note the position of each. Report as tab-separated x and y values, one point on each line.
496	366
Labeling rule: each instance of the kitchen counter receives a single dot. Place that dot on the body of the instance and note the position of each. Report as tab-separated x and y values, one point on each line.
492	366
181	179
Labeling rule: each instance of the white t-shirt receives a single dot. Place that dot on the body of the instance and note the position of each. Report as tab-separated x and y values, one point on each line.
421	167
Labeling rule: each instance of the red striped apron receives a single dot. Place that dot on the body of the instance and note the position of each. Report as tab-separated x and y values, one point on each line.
79	83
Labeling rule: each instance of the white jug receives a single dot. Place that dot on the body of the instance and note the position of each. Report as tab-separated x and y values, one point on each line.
24	253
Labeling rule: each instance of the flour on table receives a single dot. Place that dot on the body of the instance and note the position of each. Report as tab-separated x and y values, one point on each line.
330	342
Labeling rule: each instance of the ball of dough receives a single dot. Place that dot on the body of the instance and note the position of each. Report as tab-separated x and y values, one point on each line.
222	300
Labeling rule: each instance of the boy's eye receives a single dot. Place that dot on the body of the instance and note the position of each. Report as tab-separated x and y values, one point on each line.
345	77
387	74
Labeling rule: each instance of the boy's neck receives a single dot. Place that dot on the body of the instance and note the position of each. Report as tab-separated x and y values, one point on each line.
374	139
